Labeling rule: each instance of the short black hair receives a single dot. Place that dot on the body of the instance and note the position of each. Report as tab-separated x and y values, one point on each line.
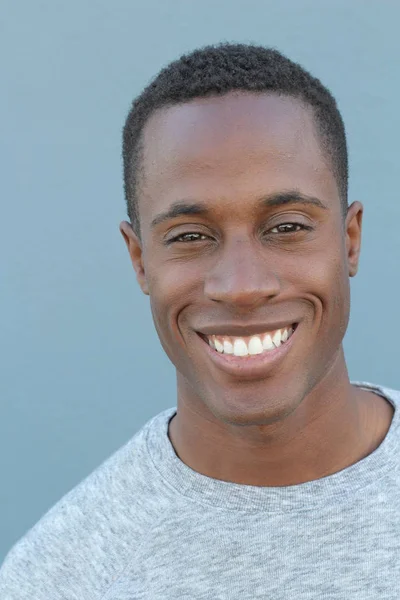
218	69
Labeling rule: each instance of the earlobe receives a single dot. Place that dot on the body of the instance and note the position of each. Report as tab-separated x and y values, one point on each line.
134	246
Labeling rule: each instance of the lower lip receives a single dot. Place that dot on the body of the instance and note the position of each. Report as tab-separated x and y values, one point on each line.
251	366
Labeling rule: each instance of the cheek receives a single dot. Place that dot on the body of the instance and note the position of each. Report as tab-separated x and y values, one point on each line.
170	287
322	278
333	290
171	290
341	300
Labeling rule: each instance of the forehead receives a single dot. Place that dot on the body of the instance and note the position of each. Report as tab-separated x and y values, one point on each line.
232	145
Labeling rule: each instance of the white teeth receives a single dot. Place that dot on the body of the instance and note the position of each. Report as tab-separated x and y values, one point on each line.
240	348
277	338
255	345
267	342
228	348
218	346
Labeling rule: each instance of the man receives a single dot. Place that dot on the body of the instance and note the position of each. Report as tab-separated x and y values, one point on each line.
275	476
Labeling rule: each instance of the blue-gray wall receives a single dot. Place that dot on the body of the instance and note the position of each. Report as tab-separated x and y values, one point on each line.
81	368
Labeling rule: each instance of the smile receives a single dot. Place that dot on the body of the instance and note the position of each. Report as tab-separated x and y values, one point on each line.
250	345
249	357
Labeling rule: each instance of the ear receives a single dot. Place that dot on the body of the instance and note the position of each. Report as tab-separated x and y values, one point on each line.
353	236
134	246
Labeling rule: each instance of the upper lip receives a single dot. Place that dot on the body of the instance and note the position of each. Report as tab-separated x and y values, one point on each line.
237	330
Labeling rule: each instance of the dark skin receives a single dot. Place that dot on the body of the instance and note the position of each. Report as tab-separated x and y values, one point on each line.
301	419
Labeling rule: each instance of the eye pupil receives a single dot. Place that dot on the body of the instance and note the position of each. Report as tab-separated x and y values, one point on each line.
289	227
188	237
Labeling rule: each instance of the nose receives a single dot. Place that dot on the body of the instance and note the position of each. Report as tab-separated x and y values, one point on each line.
242	275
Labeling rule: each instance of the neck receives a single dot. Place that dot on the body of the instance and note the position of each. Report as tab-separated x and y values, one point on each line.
328	431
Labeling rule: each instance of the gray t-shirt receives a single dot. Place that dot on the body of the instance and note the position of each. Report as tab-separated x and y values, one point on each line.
143	525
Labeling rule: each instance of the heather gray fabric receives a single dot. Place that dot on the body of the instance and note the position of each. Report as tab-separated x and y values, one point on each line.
145	526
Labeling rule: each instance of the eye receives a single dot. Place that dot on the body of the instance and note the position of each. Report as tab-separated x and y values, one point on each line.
188	237
301	226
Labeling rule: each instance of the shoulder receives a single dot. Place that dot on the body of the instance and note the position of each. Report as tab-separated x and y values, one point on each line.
82	543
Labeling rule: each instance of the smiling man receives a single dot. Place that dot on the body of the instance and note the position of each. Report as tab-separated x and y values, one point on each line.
275	476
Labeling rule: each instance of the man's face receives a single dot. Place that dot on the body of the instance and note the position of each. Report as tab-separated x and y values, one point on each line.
236	264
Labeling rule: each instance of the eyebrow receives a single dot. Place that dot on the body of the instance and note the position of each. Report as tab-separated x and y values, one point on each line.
186	207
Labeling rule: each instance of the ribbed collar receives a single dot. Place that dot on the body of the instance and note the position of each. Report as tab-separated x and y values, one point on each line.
335	489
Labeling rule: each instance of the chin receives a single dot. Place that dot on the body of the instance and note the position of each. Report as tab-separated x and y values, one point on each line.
255	404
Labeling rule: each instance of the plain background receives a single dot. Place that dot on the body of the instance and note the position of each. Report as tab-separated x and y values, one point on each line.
81	368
